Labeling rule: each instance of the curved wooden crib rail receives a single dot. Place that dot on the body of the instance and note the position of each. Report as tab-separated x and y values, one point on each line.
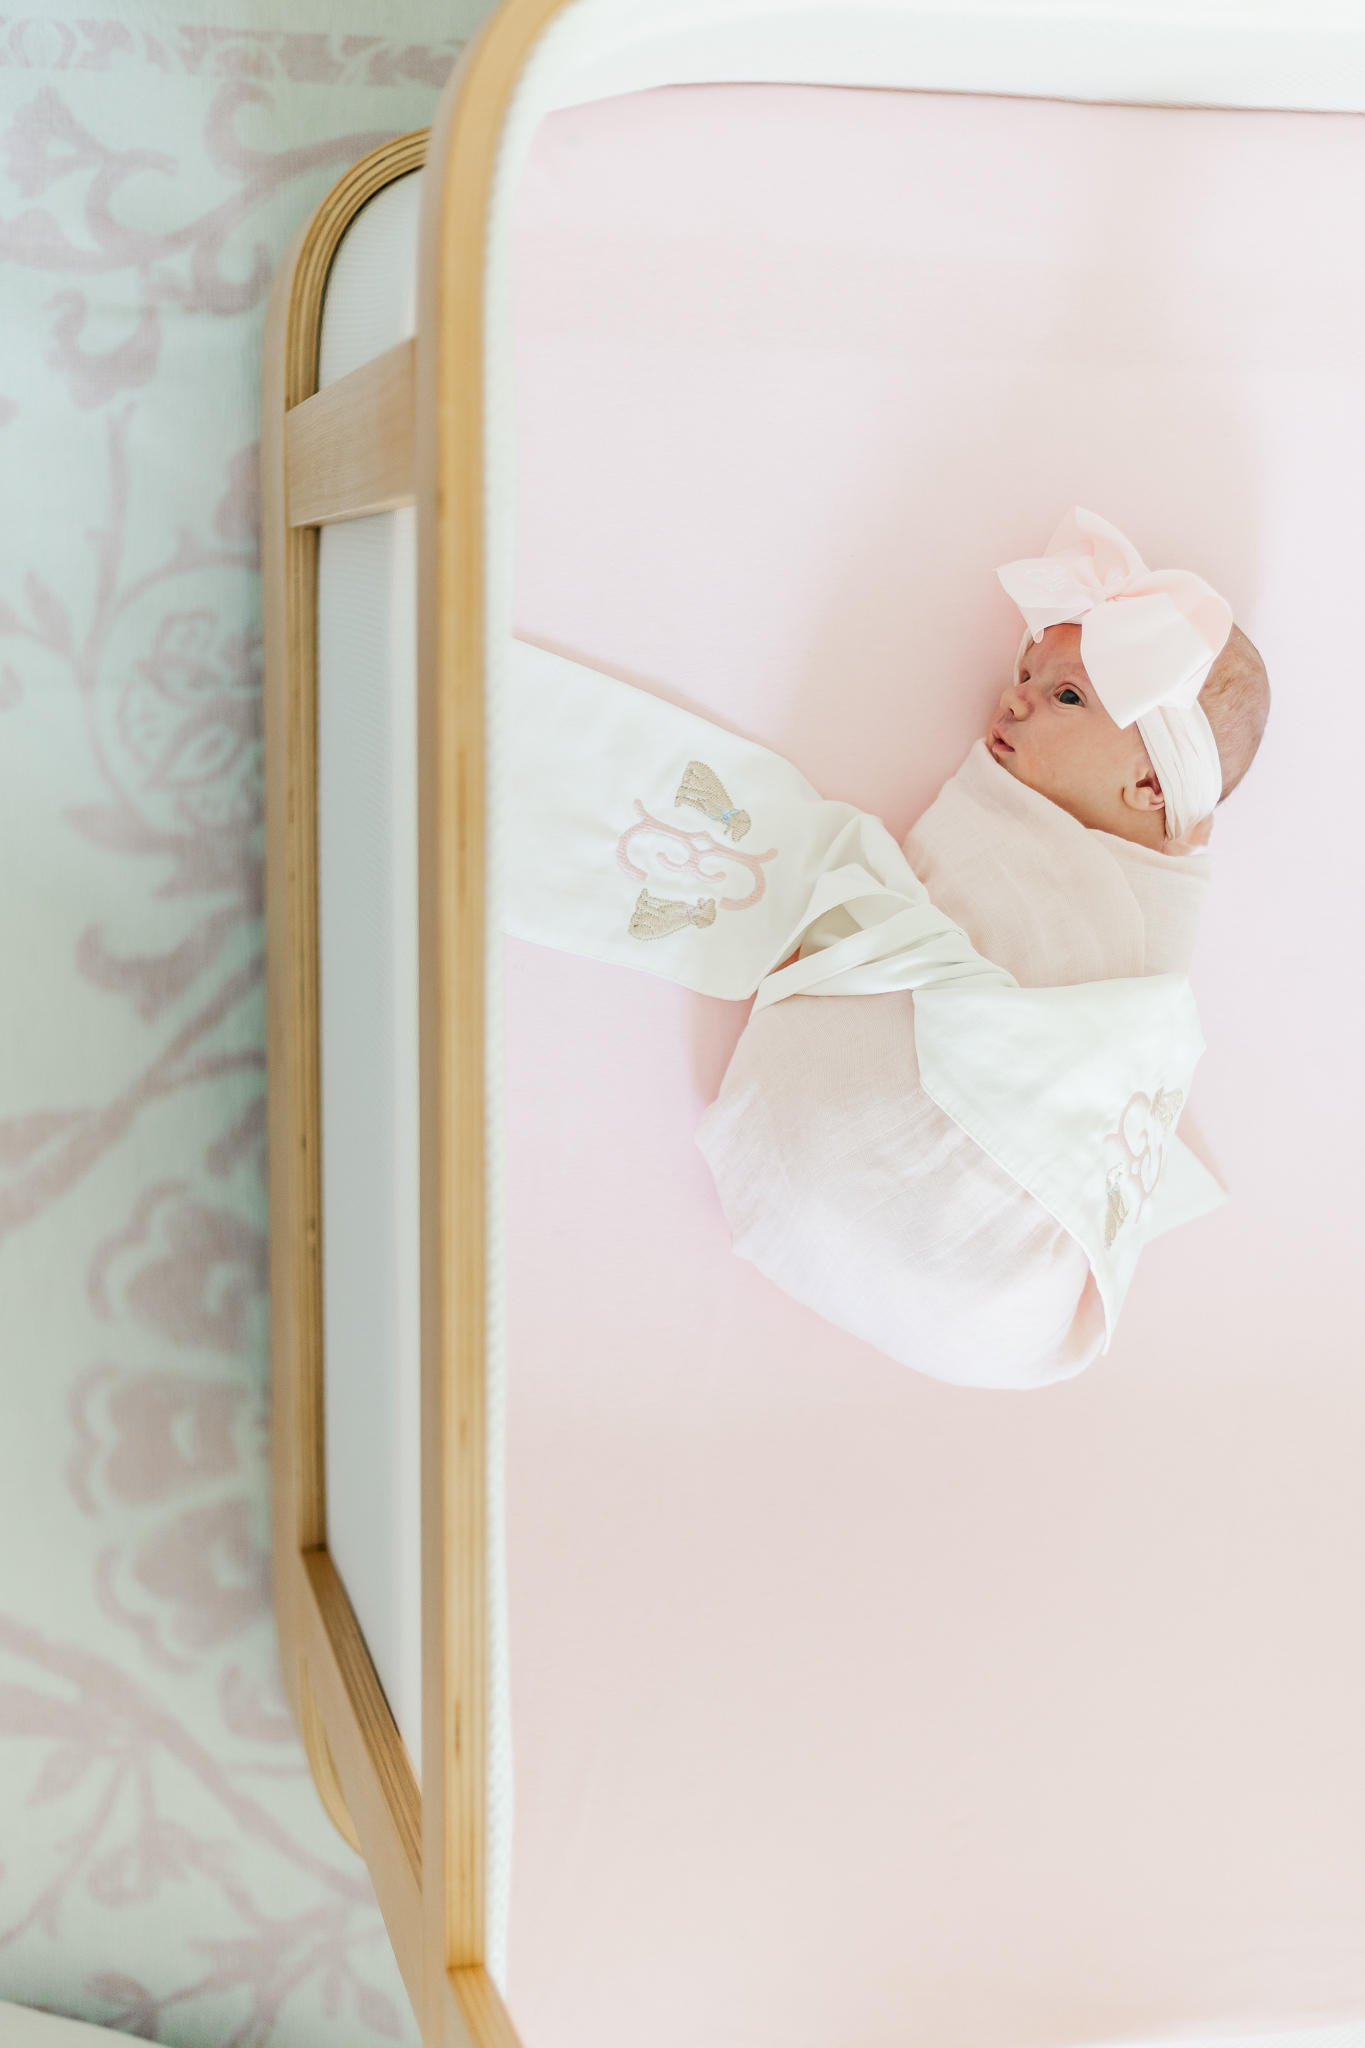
357	1758
351	450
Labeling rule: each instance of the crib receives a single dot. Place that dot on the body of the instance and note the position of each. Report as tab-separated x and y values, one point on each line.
417	1122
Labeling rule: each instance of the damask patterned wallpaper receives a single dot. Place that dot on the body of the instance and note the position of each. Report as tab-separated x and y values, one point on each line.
165	1867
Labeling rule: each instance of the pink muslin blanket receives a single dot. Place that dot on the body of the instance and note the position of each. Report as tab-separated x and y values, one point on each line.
846	1185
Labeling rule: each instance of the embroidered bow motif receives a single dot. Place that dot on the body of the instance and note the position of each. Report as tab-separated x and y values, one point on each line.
655	917
1115	1208
1166	1106
702	788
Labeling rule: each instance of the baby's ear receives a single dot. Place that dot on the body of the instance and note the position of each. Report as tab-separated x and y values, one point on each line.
1145	793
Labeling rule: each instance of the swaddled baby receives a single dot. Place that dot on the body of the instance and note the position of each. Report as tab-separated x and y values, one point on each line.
1069	848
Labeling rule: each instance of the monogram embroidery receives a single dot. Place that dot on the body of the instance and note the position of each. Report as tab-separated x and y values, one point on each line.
702	788
1144	1127
654	917
699	846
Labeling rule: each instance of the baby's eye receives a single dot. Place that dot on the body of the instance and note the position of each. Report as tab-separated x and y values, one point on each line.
1069	696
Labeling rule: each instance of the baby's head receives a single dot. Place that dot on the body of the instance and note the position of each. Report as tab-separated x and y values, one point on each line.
1150	637
1053	733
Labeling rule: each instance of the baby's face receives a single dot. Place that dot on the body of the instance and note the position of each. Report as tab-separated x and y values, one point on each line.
1053	733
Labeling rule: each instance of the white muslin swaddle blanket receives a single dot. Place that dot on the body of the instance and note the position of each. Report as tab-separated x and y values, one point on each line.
844	1181
643	835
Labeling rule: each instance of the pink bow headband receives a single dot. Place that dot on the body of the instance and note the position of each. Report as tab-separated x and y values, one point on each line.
1148	640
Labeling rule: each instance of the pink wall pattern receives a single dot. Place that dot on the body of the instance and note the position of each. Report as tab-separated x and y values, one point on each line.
165	1867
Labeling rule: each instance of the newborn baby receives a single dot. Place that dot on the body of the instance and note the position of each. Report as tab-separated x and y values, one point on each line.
1069	848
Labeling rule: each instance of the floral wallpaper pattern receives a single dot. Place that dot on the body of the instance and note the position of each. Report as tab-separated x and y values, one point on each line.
165	1867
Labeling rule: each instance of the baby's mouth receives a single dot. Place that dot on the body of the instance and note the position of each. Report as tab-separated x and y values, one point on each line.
997	739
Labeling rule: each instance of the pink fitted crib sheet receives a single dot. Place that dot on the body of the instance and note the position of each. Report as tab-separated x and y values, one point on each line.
850	1708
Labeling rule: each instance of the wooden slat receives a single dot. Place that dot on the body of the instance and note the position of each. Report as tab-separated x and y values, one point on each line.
289	604
450	905
350	448
361	1771
376	1776
474	2012
288	573
462	153
319	1750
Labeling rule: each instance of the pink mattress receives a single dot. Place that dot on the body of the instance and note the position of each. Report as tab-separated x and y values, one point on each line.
853	1710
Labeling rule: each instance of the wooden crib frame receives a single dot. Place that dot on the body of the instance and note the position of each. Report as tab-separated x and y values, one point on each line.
341	454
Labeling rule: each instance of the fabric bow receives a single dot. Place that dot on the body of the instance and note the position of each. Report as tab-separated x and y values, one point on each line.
1148	640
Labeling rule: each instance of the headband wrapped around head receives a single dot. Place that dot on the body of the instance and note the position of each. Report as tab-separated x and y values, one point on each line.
1148	640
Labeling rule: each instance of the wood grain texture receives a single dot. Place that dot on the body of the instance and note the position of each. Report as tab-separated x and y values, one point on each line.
461	159
321	1762
358	1780
349	449
475	2012
288	565
371	1764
